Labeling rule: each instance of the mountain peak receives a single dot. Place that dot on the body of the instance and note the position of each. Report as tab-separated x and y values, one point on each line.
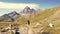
27	7
10	17
28	10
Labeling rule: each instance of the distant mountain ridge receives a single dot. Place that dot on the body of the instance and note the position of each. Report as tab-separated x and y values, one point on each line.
10	17
41	15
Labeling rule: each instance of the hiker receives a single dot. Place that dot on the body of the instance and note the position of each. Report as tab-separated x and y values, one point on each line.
28	22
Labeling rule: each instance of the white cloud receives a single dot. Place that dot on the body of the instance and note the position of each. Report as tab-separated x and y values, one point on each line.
17	6
9	7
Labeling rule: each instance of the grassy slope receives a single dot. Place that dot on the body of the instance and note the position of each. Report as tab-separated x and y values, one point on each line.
48	15
41	18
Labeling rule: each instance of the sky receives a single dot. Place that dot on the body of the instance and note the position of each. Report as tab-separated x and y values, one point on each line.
7	6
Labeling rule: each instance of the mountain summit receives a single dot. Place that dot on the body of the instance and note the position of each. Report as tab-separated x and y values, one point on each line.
28	10
10	17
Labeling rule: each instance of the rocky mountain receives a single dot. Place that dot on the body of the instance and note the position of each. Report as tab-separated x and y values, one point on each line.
28	10
10	17
45	15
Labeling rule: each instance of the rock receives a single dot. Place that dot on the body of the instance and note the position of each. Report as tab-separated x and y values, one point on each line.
28	10
10	17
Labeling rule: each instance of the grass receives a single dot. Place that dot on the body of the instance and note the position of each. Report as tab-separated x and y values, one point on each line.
37	18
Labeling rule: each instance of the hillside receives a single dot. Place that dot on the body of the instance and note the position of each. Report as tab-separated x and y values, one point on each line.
43	19
40	21
46	17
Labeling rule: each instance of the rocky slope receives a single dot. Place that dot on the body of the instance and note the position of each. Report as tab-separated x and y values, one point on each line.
28	10
10	17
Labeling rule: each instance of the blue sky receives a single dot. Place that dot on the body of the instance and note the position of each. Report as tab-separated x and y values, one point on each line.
42	3
7	6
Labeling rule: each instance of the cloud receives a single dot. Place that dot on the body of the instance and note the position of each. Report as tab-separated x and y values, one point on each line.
9	7
17	6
